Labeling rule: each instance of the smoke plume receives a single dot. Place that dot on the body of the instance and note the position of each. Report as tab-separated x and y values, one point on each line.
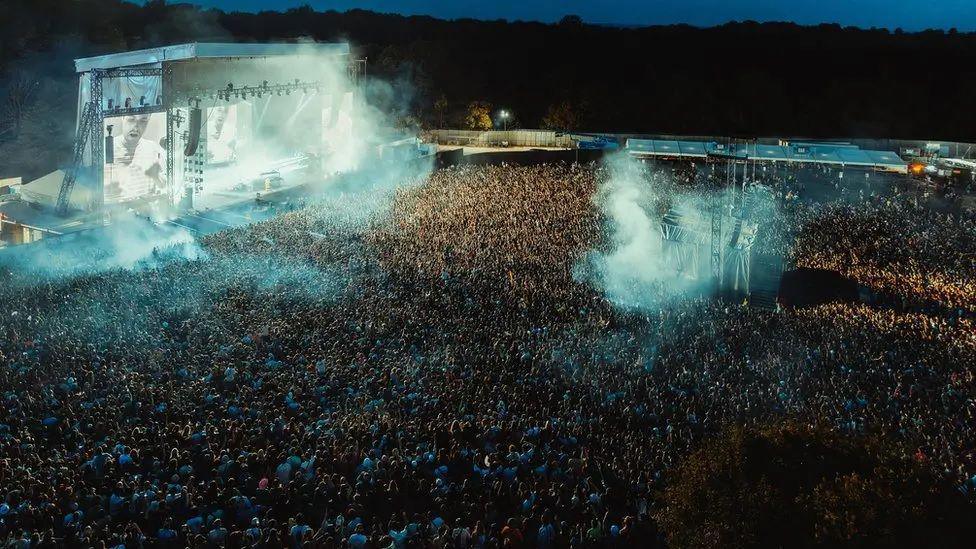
633	269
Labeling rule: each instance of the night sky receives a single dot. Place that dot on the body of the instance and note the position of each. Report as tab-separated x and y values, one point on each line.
907	14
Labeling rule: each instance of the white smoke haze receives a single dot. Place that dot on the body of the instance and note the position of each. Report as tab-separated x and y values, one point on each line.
130	242
325	122
337	122
158	296
634	270
364	185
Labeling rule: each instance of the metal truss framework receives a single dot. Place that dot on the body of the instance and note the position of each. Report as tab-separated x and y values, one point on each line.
91	129
716	230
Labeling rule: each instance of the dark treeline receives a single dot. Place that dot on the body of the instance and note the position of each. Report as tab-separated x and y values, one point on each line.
744	79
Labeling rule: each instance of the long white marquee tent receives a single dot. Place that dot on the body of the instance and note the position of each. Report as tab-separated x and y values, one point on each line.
839	154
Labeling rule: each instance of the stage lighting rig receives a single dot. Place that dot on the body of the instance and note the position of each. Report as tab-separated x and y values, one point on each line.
264	89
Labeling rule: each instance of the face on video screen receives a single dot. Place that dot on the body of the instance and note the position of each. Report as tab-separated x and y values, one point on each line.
133	128
222	138
139	165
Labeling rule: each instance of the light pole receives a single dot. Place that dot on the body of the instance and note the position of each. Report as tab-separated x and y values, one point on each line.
504	116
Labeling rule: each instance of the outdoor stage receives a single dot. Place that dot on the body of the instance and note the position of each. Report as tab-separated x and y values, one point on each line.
192	126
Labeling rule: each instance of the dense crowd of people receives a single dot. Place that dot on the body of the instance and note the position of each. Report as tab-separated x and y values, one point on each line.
425	369
896	247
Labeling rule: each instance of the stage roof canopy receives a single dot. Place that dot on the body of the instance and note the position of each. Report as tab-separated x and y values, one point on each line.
841	154
198	50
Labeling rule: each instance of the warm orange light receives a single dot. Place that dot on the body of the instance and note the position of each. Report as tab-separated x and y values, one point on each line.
917	168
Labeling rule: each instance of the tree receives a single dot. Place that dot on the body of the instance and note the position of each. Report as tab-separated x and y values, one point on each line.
440	111
19	101
479	116
561	116
791	485
36	134
407	123
571	21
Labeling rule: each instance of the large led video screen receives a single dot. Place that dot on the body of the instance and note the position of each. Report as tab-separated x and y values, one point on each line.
226	130
138	169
